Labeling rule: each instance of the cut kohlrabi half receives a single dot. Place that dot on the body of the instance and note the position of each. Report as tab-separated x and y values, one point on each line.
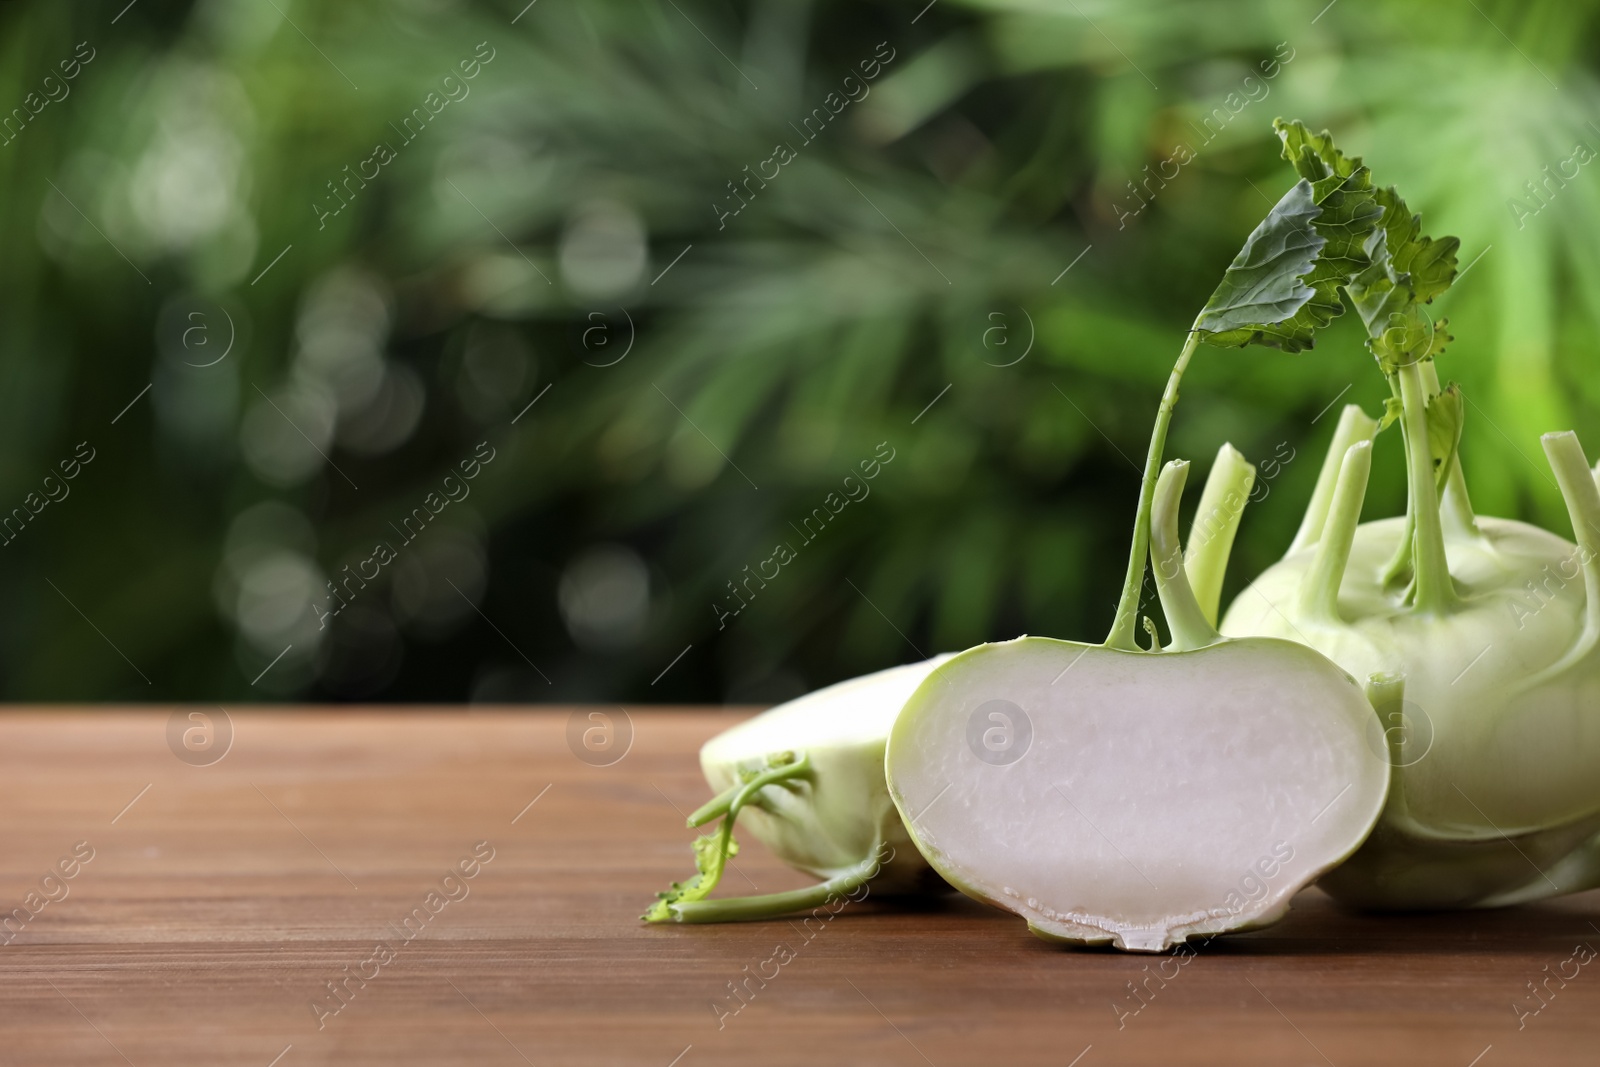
812	776
806	778
1109	794
1133	798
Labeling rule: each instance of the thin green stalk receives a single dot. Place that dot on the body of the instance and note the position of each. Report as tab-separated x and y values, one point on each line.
717	805
1580	488
1386	692
1435	591
1122	627
711	853
746	793
736	909
1215	525
1459	519
1319	589
1354	425
1399	566
1188	623
1582	497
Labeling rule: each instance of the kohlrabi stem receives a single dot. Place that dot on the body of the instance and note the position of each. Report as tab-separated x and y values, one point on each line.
1582	495
1189	625
1456	508
1435	591
1122	627
1354	425
1386	692
1155	634
1215	524
1399	565
717	805
712	852
1319	589
1459	518
750	792
735	909
746	793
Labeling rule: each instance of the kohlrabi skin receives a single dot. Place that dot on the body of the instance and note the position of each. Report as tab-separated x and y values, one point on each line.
1488	691
1138	799
806	778
1476	636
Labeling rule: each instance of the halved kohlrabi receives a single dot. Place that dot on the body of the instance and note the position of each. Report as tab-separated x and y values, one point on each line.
822	803
1136	798
806	778
1210	760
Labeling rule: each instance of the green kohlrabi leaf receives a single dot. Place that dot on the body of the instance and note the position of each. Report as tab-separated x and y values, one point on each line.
1407	270
712	852
1262	291
1284	284
1342	185
1446	412
711	855
1392	410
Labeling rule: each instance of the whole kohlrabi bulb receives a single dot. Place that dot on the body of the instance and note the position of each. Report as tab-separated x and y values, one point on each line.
806	778
1478	641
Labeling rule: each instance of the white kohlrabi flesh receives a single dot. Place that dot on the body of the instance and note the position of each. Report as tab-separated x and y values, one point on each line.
1479	636
812	774
1114	796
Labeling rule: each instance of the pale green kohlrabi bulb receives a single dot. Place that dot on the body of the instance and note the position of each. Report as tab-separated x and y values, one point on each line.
1477	638
807	779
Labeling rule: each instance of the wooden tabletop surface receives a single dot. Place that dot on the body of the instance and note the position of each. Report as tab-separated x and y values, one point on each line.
194	911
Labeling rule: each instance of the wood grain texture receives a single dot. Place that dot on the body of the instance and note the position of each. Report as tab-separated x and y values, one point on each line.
219	905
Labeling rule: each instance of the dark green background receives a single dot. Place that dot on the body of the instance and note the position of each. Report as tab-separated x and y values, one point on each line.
910	247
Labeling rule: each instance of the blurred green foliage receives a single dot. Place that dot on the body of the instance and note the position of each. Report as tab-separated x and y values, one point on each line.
559	229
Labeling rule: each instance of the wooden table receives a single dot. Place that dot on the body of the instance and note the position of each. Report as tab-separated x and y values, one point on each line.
221	899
